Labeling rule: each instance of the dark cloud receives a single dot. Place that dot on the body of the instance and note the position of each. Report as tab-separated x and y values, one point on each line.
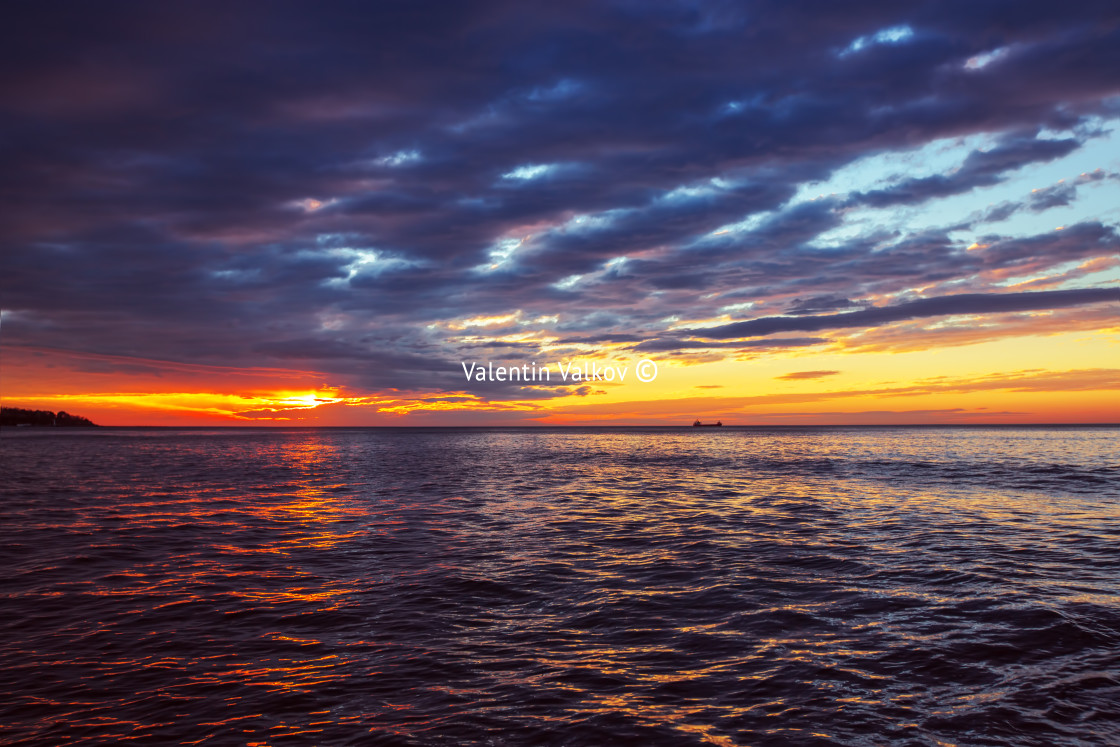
965	303
1056	195
817	304
599	339
1063	193
668	344
262	184
982	168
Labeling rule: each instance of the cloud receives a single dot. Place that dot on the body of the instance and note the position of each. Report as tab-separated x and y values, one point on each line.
965	303
818	304
796	375
982	168
1064	193
921	335
339	192
666	344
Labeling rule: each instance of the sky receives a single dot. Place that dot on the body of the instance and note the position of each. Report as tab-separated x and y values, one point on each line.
248	213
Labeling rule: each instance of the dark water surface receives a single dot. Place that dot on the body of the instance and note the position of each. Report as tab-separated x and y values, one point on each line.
561	586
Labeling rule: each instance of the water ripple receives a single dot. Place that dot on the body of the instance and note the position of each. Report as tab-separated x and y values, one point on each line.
660	586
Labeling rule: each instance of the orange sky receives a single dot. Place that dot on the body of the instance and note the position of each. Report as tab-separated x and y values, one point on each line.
1056	377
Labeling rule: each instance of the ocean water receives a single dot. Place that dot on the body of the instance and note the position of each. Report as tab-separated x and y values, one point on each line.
802	586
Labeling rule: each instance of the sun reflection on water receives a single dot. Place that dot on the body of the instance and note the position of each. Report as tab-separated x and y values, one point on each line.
654	586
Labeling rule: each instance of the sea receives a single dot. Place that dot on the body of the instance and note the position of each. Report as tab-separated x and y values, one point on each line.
560	586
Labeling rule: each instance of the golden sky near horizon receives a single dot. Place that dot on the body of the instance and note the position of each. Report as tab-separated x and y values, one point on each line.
1055	377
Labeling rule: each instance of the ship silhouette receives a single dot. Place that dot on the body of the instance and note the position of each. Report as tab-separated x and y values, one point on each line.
716	424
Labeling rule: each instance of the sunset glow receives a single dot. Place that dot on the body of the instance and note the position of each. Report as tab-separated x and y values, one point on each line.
945	242
652	372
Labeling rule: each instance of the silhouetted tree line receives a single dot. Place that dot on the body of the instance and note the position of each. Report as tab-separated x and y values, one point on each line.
19	416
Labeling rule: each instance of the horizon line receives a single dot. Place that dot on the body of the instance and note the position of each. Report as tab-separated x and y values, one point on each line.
688	426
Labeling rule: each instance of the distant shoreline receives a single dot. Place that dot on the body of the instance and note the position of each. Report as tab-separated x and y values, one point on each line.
17	417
